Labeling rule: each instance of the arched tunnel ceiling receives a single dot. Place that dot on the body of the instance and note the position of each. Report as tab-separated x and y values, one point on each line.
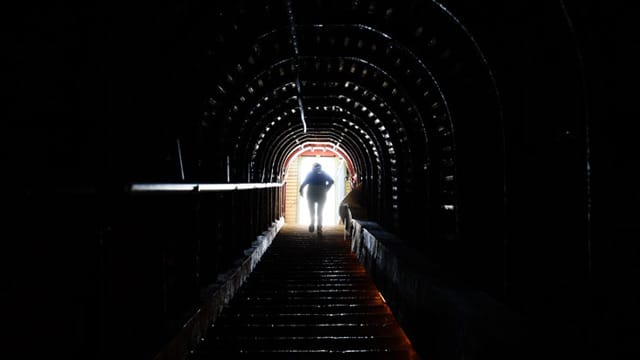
385	82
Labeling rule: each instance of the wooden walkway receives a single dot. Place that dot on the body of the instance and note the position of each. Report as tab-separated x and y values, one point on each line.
308	298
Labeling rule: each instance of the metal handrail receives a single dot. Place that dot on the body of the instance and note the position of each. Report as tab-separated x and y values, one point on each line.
197	187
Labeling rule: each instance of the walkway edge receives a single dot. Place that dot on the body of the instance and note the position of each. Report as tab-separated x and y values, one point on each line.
215	297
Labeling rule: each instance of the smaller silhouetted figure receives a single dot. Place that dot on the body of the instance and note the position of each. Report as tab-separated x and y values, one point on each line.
354	206
319	183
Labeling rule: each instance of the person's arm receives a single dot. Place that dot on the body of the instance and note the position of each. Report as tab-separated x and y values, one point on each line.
329	182
304	183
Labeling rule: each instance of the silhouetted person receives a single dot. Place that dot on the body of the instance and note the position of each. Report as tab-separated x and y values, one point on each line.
319	183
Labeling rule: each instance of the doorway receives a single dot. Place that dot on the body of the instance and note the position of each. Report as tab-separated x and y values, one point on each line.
335	168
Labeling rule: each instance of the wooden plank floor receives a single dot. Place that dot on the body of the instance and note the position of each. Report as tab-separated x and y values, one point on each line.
309	298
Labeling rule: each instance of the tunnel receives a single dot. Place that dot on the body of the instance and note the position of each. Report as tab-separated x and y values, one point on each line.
485	172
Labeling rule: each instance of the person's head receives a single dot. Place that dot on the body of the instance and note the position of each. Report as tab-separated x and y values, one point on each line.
317	167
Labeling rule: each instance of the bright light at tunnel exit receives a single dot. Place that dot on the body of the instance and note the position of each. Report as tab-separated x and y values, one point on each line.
334	168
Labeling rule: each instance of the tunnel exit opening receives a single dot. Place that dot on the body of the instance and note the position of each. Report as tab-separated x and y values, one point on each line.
299	164
334	168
